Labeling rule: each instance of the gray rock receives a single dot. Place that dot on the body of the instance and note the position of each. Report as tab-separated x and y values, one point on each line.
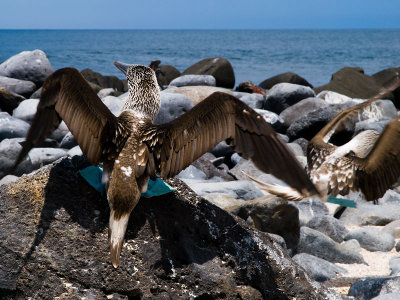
60	132
27	65
277	238
390	197
394	265
301	108
208	250
318	269
43	156
296	149
8	179
18	86
193	80
368	213
303	144
192	172
114	104
237	189
369	288
9	100
235	158
309	124
222	201
37	93
310	208
272	118
283	95
332	97
330	226
398	246
390	296
75	151
172	106
372	239
47	143
68	141
11	127
371	125
107	92
252	100
9	151
26	110
393	228
318	244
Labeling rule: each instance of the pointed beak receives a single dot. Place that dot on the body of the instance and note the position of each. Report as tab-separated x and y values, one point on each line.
116	235
122	66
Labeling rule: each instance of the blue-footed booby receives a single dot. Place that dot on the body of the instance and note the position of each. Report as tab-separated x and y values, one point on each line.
131	148
369	162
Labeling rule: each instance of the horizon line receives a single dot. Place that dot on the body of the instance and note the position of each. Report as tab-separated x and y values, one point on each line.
210	29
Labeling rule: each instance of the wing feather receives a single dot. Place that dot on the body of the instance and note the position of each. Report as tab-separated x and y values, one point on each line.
200	129
381	168
66	95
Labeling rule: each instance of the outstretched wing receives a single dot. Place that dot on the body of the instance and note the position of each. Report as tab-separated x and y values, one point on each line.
381	168
67	96
219	117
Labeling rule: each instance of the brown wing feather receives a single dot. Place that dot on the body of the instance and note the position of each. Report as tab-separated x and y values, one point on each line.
317	148
176	144
66	95
381	168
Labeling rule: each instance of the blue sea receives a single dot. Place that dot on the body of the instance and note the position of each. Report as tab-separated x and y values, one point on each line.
254	54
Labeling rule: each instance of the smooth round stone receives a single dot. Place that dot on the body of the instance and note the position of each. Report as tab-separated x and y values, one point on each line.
43	156
193	80
393	228
372	239
18	86
106	92
191	172
252	100
28	65
114	104
8	179
75	151
394	265
283	95
309	208
172	106
9	151
318	268
11	127
330	226
68	141
318	244
26	110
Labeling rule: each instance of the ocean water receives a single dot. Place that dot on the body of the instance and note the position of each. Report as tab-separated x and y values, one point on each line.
254	54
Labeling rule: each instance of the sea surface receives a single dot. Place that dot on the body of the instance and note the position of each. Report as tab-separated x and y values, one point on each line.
254	54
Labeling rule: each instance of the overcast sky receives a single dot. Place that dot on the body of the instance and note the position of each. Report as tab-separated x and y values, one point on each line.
195	14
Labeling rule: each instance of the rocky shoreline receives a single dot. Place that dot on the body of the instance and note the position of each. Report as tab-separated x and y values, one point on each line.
331	246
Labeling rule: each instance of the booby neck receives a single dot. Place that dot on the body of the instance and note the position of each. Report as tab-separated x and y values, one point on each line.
144	94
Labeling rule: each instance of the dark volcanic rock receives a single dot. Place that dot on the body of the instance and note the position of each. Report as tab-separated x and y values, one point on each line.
218	67
369	288
308	125
53	243
9	100
103	81
288	77
385	76
353	83
167	74
273	217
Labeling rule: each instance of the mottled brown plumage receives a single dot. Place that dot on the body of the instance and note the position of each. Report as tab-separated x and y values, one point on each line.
369	162
132	148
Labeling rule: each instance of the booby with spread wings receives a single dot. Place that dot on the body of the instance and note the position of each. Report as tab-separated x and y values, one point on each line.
369	162
131	148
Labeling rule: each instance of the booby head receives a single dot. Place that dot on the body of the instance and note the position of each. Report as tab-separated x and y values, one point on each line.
144	94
